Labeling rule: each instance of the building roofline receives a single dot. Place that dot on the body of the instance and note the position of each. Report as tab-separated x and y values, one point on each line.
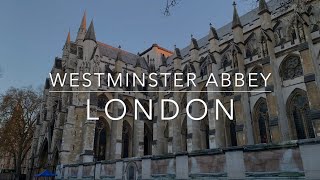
157	46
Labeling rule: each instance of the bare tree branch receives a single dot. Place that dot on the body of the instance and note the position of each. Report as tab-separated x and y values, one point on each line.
18	113
170	4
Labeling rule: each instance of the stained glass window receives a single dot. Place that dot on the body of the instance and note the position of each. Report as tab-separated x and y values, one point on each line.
291	68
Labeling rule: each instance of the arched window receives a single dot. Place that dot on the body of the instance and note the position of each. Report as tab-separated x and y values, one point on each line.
298	113
56	160
261	122
184	101
126	140
226	60
227	91
204	66
204	128
54	118
129	86
131	171
186	70
279	34
204	94
184	135
101	139
251	46
128	106
230	131
148	138
260	81
170	85
102	101
291	68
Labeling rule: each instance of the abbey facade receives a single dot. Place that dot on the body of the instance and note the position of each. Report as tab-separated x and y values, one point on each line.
279	37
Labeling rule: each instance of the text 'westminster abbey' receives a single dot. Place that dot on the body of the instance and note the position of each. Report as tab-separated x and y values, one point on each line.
277	38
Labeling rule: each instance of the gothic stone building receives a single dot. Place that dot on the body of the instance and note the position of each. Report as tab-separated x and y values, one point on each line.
273	134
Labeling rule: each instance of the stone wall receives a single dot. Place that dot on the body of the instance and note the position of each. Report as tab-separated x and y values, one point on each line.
290	160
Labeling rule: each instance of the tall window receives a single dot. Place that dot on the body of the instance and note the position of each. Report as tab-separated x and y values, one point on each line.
126	139
230	131
298	112
148	137
261	122
291	68
203	66
184	135
102	101
101	139
204	127
204	95
251	46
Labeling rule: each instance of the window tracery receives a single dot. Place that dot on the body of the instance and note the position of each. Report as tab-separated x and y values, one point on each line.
291	68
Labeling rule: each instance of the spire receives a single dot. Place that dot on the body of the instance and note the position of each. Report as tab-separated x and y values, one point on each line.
163	60
82	28
84	21
194	43
119	54
236	19
213	33
263	7
68	40
177	53
90	35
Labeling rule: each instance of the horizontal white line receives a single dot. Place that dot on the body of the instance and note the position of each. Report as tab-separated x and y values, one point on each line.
159	91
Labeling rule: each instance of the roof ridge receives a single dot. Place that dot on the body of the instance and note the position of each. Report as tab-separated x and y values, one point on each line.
115	48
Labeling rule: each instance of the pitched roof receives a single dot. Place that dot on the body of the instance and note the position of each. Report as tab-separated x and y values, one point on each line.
129	58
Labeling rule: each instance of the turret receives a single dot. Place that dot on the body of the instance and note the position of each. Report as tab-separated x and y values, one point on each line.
163	65
214	48
177	58
265	15
89	42
66	48
82	29
119	64
194	49
237	27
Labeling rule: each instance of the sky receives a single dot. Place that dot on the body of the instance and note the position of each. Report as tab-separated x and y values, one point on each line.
33	32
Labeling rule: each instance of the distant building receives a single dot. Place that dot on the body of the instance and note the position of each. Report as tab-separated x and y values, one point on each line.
278	38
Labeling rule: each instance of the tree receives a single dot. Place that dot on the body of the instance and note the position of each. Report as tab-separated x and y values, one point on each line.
19	109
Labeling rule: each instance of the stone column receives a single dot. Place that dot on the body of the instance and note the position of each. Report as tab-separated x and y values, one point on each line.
271	98
159	140
310	80
88	131
193	126
216	126
116	132
176	126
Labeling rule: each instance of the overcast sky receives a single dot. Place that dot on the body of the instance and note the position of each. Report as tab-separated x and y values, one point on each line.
33	32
